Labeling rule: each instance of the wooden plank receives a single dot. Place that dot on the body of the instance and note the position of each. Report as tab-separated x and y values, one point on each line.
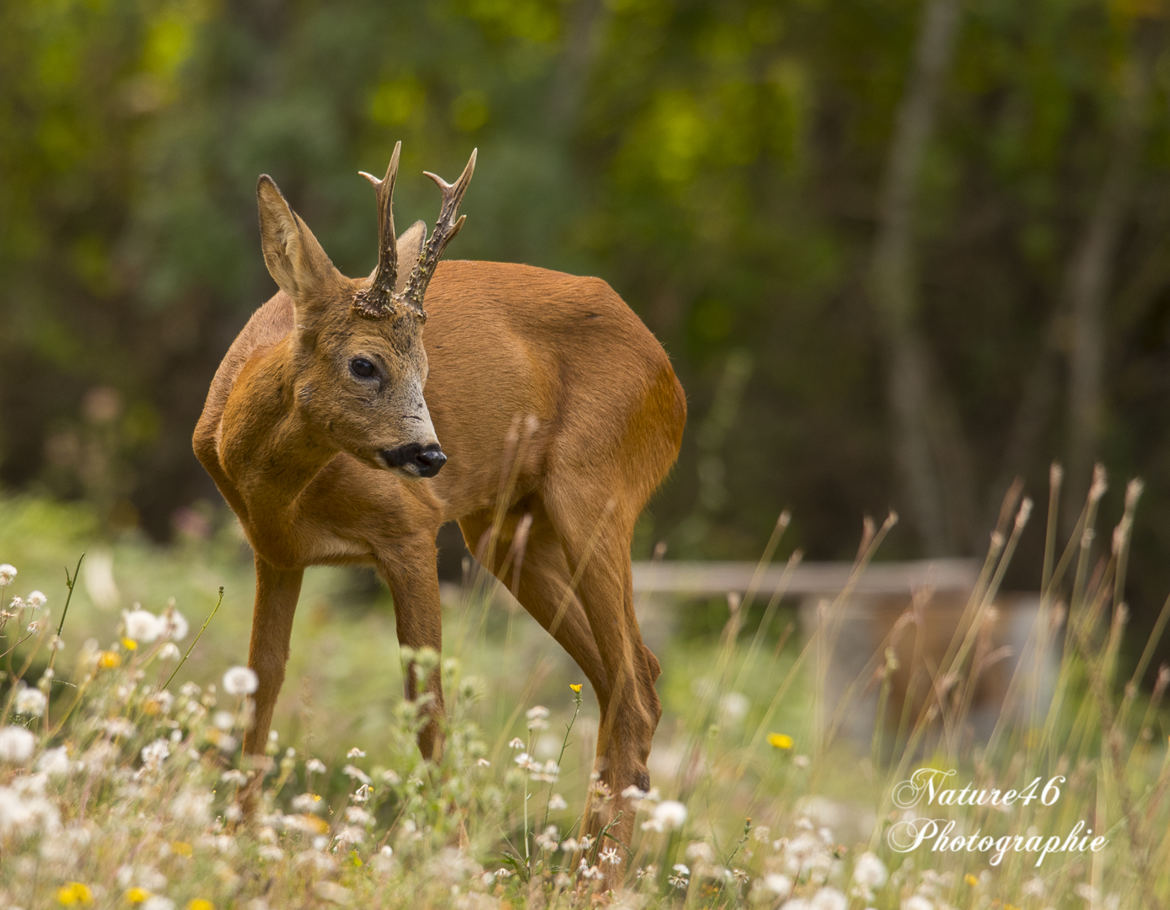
705	579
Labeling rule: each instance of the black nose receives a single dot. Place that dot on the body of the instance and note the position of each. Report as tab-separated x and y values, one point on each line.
429	460
422	460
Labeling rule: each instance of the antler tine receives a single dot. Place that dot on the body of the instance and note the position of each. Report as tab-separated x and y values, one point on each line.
376	300
446	227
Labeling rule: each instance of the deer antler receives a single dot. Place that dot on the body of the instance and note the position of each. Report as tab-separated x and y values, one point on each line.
380	298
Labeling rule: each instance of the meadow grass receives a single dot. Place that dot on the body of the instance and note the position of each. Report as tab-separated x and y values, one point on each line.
120	765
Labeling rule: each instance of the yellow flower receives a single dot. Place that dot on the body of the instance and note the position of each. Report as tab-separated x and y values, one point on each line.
576	687
779	740
129	644
181	848
108	660
74	894
200	903
970	879
137	895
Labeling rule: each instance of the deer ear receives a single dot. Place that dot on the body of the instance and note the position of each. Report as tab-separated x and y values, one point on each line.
410	245
294	258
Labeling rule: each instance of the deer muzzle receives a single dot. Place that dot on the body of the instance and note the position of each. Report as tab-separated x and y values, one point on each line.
413	458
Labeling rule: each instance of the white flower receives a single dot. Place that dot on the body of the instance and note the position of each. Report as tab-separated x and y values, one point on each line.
610	856
240	681
26	812
557	802
30	702
828	899
355	752
315	766
537	717
7	573
355	773
670	814
54	762
36	600
174	625
169	651
734	706
917	902
142	625
869	871
16	744
155	753
780	885
516	743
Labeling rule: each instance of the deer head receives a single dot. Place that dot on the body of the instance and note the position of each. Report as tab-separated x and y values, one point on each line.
358	361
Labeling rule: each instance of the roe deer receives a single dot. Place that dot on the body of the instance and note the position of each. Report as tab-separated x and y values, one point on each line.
551	410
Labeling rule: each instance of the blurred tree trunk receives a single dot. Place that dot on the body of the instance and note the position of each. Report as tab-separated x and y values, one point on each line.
1090	271
932	459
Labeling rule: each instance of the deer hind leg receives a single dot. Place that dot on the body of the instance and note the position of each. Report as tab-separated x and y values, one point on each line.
596	542
523	551
411	572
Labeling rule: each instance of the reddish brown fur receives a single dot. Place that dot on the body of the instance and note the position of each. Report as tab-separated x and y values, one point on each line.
559	413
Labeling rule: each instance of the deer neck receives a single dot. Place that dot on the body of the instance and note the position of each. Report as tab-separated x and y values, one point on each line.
270	453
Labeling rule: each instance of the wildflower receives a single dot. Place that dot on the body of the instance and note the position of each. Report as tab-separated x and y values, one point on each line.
971	880
174	625
109	660
828	899
557	802
734	706
36	600
16	744
780	740
141	625
869	871
516	743
610	856
779	885
679	876
200	903
74	894
668	815
355	773
155	753
53	762
240	681
576	687
917	902
169	651
315	766
136	895
547	839
308	802
7	573
483	763
537	717
355	752
30	702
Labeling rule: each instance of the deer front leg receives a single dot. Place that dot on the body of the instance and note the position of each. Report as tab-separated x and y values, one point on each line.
414	582
277	591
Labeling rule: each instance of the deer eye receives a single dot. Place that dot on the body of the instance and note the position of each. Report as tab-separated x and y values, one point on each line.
362	368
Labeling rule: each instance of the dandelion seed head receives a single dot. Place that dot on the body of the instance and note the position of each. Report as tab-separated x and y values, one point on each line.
141	625
29	702
240	681
7	573
16	745
36	600
869	871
